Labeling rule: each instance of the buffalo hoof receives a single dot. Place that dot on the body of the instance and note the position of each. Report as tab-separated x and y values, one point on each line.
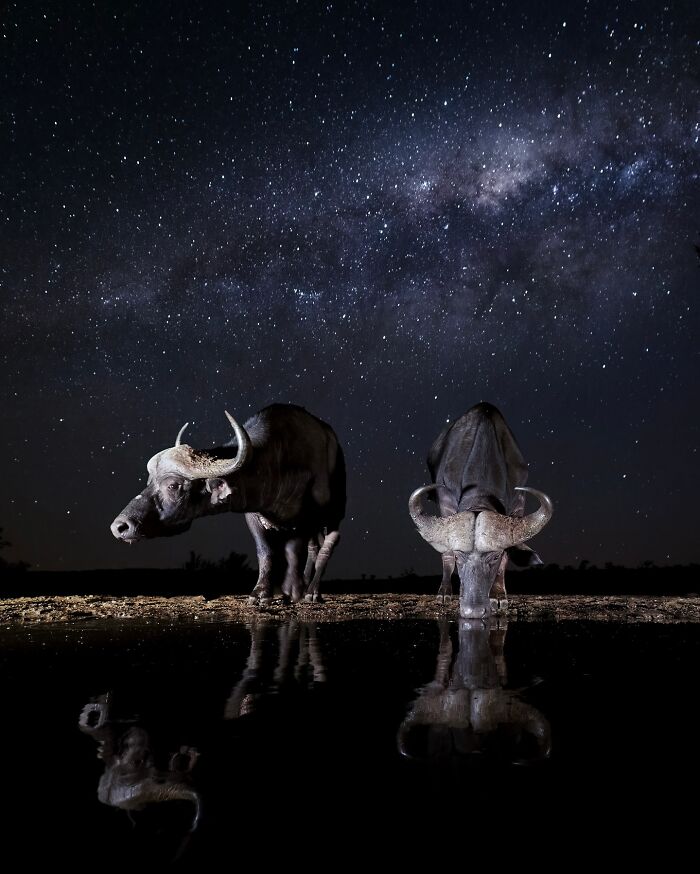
260	600
313	598
499	606
291	598
443	599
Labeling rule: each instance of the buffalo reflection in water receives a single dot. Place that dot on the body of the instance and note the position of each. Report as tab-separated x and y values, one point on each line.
255	682
137	773
143	768
466	715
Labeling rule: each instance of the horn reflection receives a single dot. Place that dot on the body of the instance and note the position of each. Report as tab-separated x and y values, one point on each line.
169	749
466	714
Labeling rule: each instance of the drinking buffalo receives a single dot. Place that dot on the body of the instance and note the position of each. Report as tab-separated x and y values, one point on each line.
479	475
285	471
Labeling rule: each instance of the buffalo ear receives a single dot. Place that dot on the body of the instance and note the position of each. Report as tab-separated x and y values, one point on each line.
218	488
523	556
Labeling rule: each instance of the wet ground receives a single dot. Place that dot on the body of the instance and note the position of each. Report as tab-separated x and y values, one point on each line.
81	608
143	742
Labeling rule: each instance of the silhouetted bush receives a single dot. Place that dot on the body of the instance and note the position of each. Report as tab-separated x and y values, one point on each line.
10	567
586	579
231	574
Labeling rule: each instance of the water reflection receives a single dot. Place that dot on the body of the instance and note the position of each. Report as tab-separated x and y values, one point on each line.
295	640
466	714
140	773
149	752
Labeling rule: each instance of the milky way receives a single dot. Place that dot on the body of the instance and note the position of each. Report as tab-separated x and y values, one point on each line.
384	212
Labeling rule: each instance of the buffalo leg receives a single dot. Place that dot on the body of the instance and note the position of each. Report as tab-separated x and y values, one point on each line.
497	595
497	640
314	653
444	594
286	635
445	653
313	592
293	585
264	548
238	703
312	555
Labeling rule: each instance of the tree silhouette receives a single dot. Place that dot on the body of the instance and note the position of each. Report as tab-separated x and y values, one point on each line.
196	562
234	565
10	566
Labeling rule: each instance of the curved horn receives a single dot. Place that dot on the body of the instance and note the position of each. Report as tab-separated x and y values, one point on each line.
443	533
497	532
193	796
90	723
242	439
137	795
178	439
414	507
401	739
429	527
185	793
200	465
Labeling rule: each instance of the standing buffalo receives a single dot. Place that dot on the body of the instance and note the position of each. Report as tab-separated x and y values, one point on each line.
285	470
478	471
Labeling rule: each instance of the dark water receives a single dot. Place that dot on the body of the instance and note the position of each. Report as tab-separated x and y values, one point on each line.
277	739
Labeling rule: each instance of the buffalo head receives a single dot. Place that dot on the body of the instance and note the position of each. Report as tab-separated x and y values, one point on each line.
478	541
183	483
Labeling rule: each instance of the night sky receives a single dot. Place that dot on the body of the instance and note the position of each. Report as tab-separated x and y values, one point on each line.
385	212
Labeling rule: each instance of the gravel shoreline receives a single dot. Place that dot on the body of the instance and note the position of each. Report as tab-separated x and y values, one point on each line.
76	609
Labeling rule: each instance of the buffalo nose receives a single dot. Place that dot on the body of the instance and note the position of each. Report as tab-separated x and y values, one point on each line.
122	528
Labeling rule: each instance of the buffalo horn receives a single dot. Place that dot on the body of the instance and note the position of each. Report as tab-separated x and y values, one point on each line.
495	531
199	465
443	533
178	439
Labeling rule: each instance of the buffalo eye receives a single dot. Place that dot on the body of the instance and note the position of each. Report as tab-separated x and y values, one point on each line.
173	488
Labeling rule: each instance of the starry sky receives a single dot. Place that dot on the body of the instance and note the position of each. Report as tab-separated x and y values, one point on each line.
385	212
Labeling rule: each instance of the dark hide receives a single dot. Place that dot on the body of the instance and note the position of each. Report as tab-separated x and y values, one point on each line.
479	463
